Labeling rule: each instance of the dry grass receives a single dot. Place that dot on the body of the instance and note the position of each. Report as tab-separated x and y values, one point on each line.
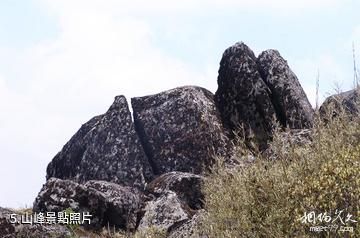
268	198
113	233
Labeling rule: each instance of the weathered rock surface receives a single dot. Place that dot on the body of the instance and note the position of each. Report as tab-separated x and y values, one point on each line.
114	204
180	129
188	228
105	148
286	139
186	186
291	104
254	92
164	212
6	228
176	196
107	169
347	102
10	229
42	231
106	202
243	98
57	195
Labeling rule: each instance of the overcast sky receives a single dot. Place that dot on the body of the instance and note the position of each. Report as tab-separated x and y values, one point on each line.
63	61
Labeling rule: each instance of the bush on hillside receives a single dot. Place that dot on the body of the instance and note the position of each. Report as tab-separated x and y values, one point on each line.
269	197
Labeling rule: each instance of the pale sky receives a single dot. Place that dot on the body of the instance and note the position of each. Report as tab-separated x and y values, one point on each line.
63	61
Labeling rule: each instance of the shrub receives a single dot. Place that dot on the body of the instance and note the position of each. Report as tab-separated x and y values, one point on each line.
269	197
151	232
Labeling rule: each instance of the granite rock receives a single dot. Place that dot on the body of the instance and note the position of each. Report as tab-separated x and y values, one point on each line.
188	228
186	186
164	212
107	203
105	148
180	129
291	104
243	98
347	102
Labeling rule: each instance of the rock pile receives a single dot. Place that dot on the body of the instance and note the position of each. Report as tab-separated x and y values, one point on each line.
346	102
255	92
148	172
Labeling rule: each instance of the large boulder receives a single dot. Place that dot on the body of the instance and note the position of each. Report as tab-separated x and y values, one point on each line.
346	102
107	203
291	104
180	129
243	98
114	204
105	148
58	195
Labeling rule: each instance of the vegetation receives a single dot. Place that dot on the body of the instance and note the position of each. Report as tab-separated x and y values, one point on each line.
149	233
114	233
270	197
307	185
71	227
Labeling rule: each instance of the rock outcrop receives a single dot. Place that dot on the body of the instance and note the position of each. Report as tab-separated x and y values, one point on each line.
177	197
107	203
188	228
186	186
164	212
243	98
253	93
149	173
119	206
291	104
105	148
180	129
346	102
